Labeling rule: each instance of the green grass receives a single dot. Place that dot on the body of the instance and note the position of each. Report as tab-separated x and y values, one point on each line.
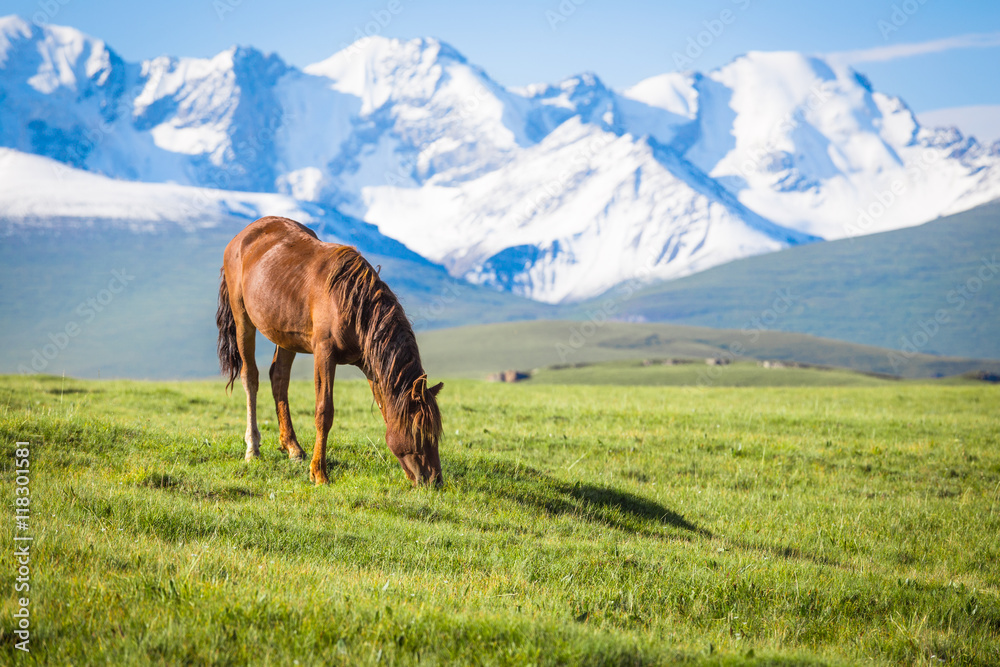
697	373
578	525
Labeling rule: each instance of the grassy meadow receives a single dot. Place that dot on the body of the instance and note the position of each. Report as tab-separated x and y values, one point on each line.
478	350
653	372
579	524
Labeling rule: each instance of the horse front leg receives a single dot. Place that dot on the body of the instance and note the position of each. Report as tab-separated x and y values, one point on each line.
324	374
280	374
246	334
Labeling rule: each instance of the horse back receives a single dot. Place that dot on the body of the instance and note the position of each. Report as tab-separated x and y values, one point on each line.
281	270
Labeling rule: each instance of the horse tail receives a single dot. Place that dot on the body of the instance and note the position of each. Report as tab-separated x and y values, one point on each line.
229	353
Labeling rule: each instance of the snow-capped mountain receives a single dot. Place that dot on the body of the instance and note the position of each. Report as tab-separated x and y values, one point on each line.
810	145
41	194
555	192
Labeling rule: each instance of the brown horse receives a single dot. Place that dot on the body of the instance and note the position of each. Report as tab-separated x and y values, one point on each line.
323	299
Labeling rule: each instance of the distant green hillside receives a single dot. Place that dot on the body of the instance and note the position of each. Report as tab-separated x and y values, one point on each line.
476	351
161	322
932	289
739	374
935	287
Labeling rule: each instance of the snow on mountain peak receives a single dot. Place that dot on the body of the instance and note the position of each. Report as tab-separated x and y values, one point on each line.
573	93
375	67
673	92
11	23
426	112
12	28
808	144
63	57
554	191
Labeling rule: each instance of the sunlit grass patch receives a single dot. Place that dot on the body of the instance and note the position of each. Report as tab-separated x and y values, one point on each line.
578	524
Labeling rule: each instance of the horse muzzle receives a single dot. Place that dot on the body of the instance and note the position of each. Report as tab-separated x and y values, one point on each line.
420	471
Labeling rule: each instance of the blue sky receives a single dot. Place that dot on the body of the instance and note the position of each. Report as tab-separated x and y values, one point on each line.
523	41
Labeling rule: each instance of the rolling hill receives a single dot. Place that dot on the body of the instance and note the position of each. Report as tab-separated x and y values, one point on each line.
934	288
161	322
867	293
476	351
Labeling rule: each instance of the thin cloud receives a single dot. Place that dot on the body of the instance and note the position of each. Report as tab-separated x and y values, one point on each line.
885	53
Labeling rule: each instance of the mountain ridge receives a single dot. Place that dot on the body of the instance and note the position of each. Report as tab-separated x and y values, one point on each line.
554	192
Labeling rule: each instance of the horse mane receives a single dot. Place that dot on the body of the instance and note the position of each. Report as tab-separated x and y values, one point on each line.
388	345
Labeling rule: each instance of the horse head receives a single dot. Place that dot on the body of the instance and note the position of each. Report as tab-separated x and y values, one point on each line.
414	438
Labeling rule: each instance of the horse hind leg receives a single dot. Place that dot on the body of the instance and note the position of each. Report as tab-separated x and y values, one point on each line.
325	368
280	374
246	334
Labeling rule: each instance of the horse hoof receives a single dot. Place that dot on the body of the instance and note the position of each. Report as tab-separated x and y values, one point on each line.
297	456
318	477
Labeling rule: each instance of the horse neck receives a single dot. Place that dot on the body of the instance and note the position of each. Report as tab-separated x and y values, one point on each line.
392	360
418	418
383	334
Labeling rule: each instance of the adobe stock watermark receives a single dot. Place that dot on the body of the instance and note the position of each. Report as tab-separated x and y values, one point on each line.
472	102
47	10
750	332
201	201
579	334
703	39
901	14
562	12
87	310
224	7
550	191
884	200
606	312
246	150
432	312
22	545
75	154
405	172
911	345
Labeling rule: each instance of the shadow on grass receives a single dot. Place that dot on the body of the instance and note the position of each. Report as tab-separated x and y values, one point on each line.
60	391
785	552
606	498
599	504
611	507
194	489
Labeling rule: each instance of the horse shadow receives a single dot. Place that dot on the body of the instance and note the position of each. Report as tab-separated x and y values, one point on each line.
615	508
611	507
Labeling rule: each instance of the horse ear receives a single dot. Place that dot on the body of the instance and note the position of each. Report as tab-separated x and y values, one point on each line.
436	389
419	387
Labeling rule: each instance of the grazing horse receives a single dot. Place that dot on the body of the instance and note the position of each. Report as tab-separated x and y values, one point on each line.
323	299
